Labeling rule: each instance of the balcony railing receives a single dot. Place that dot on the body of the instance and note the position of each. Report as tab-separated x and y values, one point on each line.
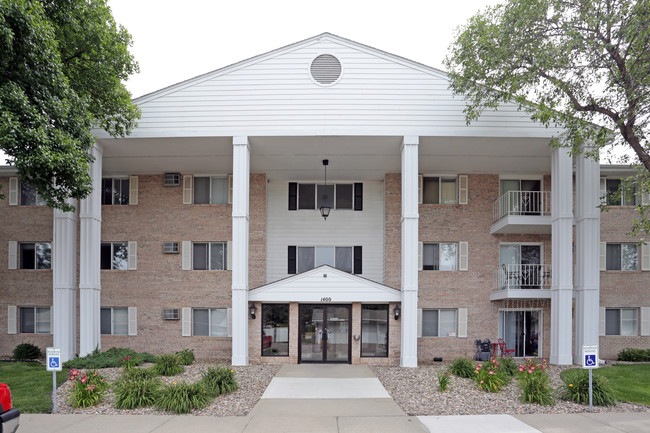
522	203
511	277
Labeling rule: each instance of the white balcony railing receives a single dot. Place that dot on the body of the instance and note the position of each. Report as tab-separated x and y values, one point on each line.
509	277
522	203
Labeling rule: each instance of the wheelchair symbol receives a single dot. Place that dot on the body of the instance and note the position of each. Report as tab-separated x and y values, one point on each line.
54	362
590	360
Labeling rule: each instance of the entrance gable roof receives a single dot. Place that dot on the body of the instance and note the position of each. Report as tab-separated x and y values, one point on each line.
324	282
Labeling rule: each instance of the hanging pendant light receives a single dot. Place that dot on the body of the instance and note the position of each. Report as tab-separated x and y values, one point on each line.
325	208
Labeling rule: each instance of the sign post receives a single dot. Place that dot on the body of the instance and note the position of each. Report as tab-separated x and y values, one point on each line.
590	361
53	364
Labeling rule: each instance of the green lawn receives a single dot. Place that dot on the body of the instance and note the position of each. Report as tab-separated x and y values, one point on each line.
629	383
31	385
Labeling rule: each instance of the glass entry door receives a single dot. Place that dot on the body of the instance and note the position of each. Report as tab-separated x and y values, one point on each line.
324	333
521	331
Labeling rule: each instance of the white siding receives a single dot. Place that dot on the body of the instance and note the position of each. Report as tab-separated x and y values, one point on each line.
342	228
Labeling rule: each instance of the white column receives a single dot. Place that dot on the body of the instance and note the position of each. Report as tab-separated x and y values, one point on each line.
587	253
64	282
90	229
562	252
410	216
240	220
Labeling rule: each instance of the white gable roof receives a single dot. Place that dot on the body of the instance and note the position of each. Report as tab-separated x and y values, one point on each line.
324	282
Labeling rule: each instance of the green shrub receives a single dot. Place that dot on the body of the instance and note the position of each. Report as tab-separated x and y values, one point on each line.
136	388
110	358
489	378
634	355
576	388
183	398
167	365
508	366
443	380
89	388
26	351
535	383
220	380
462	367
186	356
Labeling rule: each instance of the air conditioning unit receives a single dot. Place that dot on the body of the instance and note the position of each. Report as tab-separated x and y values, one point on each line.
170	314
172	179
170	248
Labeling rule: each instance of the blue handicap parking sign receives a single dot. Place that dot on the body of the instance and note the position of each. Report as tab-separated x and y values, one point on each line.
54	362
590	360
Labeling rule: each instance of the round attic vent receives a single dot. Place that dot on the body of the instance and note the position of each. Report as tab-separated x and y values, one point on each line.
325	69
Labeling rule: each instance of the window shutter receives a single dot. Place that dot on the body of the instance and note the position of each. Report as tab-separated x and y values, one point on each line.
230	189
463	256
420	189
187	189
293	196
229	316
229	256
13	191
645	257
462	189
133	190
462	322
13	255
133	256
419	322
645	321
133	321
358	196
358	261
420	255
186	318
645	199
291	259
11	319
603	256
51	319
603	191
186	247
601	321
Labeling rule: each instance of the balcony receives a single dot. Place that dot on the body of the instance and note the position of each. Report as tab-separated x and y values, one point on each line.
522	282
522	212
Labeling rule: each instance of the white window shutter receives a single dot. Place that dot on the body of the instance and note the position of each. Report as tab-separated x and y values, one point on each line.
420	188
13	255
187	189
133	256
603	256
462	189
645	321
133	321
462	323
13	191
230	188
229	316
133	190
11	319
229	256
419	322
603	191
186	318
601	321
420	255
186	247
645	257
463	256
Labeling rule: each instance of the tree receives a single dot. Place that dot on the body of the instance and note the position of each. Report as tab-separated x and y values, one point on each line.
581	65
62	63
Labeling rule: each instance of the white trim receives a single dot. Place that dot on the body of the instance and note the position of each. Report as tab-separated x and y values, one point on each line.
133	190
13	191
188	183
132	321
13	255
186	319
132	248
12	320
186	253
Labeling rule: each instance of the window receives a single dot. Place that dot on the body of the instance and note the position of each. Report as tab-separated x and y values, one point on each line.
114	321
210	189
439	190
275	329
621	321
29	197
339	196
35	255
440	257
209	256
438	323
114	255
115	191
622	257
210	322
616	198
35	320
374	330
346	259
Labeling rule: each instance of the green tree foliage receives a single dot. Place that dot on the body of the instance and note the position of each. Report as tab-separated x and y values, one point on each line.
62	63
573	64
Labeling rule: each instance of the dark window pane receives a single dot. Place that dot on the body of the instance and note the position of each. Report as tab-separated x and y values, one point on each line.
429	323
27	256
200	256
105	320
612	322
305	258
201	190
325	195
27	320
613	195
430	258
106	257
431	190
374	330
344	196
43	256
217	256
275	329
201	323
613	255
107	191
27	195
124	191
306	196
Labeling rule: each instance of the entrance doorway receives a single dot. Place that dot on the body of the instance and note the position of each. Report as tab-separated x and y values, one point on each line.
521	332
325	333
